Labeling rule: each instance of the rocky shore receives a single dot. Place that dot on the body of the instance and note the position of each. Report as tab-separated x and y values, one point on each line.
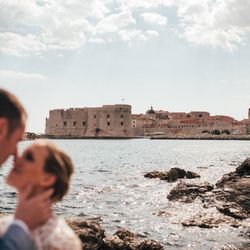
93	237
226	202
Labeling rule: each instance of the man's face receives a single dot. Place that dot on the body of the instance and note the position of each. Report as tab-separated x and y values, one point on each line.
8	143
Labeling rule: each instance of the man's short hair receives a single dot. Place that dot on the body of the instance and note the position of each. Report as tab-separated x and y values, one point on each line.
12	110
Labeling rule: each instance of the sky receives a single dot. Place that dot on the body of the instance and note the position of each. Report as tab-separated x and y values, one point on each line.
176	55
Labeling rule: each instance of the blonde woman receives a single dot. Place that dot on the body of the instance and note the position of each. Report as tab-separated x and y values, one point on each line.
42	165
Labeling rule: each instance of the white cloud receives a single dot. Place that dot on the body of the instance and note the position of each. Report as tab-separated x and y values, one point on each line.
154	18
15	75
32	27
114	22
145	4
15	44
218	24
96	40
137	35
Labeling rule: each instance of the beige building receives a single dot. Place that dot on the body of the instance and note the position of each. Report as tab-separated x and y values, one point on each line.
105	121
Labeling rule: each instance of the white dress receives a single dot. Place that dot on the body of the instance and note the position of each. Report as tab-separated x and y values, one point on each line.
55	234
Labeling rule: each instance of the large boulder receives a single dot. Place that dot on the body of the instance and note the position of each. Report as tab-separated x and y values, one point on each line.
188	192
172	175
233	191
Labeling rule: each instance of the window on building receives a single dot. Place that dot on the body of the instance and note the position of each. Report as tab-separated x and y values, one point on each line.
121	116
74	123
108	124
56	125
121	123
84	123
108	116
94	116
64	123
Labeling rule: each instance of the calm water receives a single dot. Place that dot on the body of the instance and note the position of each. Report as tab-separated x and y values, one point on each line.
109	184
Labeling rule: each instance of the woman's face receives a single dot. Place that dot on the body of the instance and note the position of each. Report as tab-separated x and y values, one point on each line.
29	168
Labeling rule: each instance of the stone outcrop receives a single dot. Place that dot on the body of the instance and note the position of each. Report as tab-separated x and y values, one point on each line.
234	189
186	192
172	175
230	196
208	220
93	237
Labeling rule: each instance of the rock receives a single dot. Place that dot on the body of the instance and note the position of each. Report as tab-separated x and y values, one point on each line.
155	174
90	233
149	244
210	221
231	247
93	237
192	175
233	210
115	243
230	196
187	193
233	191
172	175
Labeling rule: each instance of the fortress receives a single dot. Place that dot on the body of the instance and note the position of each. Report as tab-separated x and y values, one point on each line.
117	121
105	121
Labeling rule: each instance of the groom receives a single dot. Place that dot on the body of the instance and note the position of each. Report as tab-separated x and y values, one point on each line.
30	212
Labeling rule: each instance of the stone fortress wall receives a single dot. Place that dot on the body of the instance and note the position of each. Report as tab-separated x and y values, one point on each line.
117	121
105	121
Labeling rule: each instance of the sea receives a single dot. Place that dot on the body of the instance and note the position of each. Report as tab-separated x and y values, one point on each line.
109	185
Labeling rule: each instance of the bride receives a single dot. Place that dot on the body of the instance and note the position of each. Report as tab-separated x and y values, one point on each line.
43	166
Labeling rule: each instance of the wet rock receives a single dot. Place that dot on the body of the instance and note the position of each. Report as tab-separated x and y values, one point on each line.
187	193
233	247
132	241
230	196
233	210
149	244
210	221
93	237
155	174
172	175
90	233
115	243
233	192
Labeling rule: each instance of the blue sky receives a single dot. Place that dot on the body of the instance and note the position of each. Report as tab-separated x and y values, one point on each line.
173	54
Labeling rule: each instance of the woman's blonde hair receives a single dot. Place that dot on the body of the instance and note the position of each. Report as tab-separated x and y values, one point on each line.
59	164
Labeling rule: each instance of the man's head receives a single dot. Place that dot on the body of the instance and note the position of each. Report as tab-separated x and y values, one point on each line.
12	124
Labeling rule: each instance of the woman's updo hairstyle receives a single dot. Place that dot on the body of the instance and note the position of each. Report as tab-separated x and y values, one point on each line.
59	164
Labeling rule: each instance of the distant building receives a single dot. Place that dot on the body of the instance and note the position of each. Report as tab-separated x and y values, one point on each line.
105	121
181	123
117	121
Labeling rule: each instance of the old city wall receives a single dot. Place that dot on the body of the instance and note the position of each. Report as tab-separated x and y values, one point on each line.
106	121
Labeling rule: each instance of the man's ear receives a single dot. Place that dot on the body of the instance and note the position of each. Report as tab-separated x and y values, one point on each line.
3	128
48	180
